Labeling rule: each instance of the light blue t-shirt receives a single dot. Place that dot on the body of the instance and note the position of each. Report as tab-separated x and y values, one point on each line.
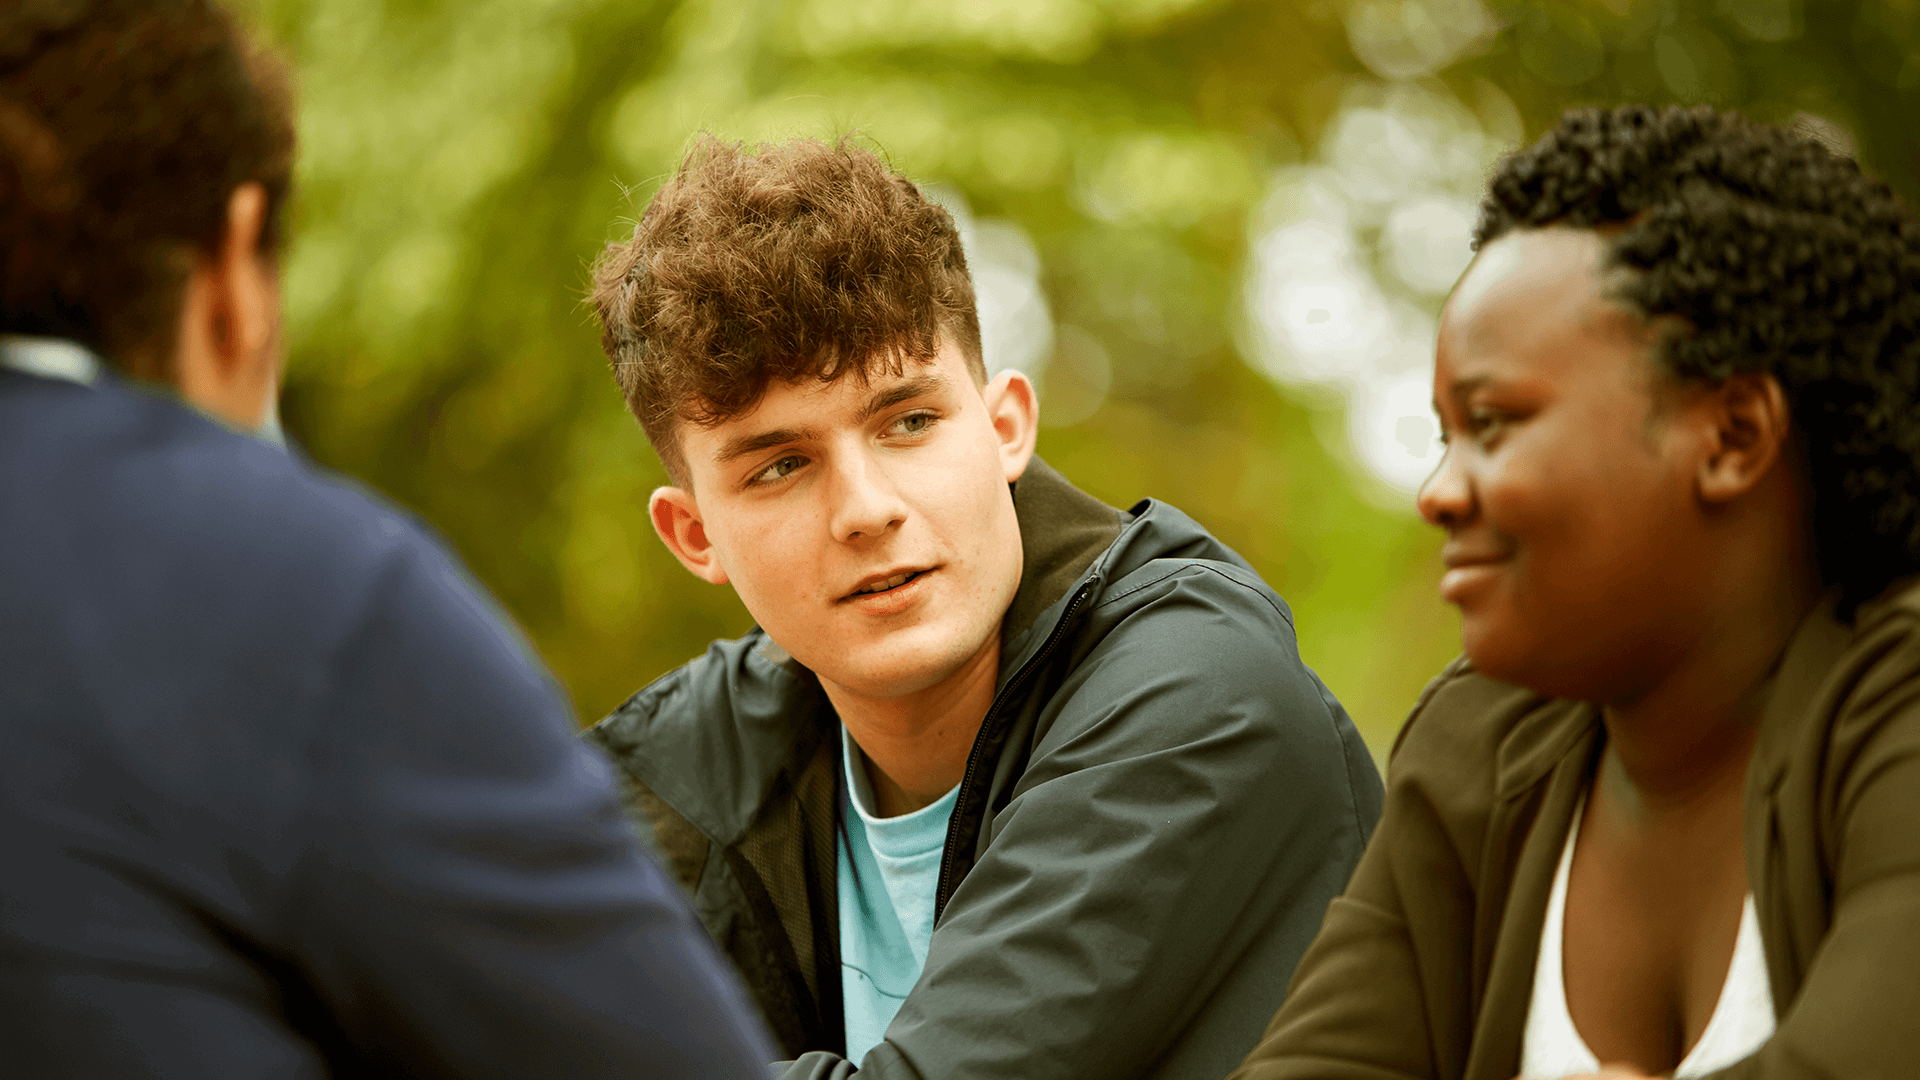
886	903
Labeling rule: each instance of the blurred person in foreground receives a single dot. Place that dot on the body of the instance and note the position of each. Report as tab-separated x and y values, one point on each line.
1006	782
1664	815
280	795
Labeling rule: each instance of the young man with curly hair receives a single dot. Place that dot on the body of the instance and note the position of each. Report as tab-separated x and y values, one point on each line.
1006	782
1665	813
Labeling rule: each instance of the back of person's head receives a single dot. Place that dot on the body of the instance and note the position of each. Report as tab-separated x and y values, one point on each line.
125	126
1776	256
800	260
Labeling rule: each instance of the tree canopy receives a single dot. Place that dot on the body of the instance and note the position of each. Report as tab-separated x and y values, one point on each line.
1216	231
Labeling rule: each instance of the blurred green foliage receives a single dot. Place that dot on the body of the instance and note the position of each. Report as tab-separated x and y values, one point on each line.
464	160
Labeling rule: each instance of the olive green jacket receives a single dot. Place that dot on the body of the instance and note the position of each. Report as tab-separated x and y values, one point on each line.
1425	967
1159	804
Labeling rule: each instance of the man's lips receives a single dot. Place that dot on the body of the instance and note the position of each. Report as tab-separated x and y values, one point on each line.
886	581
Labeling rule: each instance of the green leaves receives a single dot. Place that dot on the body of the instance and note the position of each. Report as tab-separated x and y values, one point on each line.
464	160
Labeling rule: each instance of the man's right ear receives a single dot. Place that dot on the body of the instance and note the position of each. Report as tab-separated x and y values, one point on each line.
676	517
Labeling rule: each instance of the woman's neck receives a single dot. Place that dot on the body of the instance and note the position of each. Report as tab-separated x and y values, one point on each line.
1689	730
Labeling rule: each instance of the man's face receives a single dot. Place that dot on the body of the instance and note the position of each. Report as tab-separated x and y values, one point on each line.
868	526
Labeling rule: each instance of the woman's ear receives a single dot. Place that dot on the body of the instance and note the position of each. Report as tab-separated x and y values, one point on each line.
1014	409
1750	423
676	517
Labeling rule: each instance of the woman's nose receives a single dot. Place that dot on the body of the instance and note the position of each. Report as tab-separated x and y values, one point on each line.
1446	499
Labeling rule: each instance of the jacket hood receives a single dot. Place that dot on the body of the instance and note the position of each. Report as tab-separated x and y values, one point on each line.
718	775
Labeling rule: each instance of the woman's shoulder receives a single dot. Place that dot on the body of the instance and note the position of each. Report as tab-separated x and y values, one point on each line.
1862	682
1476	738
1894	614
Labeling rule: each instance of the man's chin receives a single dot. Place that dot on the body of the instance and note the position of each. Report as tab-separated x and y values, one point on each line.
888	681
892	672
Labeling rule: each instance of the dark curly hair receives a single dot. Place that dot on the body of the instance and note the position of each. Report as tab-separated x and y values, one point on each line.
125	125
1779	257
799	260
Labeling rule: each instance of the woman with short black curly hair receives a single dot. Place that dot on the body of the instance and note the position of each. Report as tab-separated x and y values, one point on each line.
1663	817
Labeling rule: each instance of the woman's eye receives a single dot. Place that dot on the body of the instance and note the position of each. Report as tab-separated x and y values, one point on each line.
1485	424
778	469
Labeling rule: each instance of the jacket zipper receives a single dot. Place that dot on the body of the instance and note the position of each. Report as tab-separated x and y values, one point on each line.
944	888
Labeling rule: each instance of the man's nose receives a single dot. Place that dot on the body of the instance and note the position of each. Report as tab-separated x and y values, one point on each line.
866	501
1446	499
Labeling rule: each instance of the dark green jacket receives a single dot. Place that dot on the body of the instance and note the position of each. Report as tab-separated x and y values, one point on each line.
1158	807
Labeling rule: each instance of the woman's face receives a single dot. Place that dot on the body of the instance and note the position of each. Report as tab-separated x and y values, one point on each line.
1567	490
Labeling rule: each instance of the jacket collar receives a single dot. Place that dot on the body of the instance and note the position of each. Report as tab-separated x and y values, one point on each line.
1063	534
1811	658
1550	731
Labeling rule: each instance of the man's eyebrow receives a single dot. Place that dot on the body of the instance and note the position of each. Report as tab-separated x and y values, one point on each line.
901	391
744	445
740	447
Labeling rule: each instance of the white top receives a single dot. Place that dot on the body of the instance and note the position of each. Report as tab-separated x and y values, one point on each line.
1742	1019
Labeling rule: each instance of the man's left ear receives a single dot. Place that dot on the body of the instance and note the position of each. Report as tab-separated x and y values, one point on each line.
1750	424
226	355
1014	408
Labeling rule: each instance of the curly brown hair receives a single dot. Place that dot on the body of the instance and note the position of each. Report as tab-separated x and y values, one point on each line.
1779	256
125	126
793	261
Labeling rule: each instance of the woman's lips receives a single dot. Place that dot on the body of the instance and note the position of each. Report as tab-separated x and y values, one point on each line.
1466	576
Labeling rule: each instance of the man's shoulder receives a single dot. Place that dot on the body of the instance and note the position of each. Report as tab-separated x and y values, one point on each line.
149	516
711	734
165	473
1164	559
1180	640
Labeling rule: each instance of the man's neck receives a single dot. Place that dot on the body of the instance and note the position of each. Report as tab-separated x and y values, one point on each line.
916	745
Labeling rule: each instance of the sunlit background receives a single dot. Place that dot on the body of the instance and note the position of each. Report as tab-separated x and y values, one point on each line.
1217	233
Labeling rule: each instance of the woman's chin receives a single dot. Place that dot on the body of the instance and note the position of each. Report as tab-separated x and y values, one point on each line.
1495	651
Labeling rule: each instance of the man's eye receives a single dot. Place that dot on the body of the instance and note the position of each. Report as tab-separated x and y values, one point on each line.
913	423
779	469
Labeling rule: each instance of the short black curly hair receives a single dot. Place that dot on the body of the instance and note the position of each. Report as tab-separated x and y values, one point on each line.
1780	257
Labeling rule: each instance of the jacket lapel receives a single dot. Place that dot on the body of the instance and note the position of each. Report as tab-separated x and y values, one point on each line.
1545	765
1789	882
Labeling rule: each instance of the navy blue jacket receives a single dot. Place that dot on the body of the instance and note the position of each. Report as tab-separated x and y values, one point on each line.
280	794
